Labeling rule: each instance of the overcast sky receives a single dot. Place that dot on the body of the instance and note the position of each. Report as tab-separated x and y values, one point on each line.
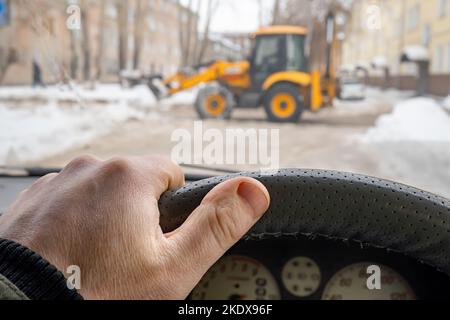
237	15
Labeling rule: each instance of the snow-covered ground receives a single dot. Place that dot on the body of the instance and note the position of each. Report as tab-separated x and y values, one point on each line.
374	97
418	119
104	93
41	122
412	145
45	121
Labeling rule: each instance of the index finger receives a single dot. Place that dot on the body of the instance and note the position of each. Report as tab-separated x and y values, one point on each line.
161	173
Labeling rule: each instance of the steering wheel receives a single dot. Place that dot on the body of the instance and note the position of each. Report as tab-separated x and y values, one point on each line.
337	205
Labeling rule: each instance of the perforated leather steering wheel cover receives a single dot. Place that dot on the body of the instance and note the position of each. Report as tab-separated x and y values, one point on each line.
337	205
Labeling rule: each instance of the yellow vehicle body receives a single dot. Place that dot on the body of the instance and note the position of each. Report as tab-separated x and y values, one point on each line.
234	74
284	87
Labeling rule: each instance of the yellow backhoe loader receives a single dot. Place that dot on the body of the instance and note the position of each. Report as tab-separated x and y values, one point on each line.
276	76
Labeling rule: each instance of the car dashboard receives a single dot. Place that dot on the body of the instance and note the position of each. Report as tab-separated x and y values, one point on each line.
302	268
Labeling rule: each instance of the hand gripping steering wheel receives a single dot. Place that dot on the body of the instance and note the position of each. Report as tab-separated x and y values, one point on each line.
340	206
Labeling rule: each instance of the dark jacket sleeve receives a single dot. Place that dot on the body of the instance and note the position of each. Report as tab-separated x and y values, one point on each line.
26	275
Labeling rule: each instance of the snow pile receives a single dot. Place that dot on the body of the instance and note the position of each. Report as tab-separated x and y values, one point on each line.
31	133
103	93
446	103
377	101
419	119
379	62
182	98
415	53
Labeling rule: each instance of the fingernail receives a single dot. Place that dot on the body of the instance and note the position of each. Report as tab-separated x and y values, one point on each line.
256	195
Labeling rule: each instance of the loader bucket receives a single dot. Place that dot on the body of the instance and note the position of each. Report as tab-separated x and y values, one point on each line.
157	87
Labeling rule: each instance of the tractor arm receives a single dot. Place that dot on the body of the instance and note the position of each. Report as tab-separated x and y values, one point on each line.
233	74
183	81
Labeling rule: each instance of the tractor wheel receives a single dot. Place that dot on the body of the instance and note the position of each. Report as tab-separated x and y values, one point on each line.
283	103
214	102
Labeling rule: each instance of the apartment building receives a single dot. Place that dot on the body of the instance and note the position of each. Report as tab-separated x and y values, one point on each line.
34	31
114	35
162	50
380	30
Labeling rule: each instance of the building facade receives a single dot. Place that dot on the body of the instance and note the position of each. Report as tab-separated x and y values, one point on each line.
35	32
113	35
380	30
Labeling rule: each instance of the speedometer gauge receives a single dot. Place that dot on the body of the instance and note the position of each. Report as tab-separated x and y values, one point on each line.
350	283
301	276
237	278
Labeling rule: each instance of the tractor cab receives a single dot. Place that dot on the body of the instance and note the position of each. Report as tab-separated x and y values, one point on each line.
277	49
278	73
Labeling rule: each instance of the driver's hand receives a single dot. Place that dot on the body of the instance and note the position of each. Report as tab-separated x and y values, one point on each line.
104	218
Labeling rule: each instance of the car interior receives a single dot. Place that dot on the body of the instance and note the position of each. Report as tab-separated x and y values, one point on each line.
329	86
321	237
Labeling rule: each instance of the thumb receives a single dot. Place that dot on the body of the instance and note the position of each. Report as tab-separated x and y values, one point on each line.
225	215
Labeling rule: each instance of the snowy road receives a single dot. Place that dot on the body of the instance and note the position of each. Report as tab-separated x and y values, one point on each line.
366	137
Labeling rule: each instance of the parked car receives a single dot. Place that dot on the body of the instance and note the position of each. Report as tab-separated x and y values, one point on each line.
351	89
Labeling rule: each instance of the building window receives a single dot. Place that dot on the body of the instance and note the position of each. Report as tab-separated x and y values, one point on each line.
152	25
413	17
426	35
448	58
184	17
398	27
443	8
438	57
111	11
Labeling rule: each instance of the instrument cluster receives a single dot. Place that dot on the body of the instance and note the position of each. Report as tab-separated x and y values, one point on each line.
317	269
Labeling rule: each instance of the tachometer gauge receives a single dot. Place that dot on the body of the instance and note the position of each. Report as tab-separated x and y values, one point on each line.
351	283
301	276
237	278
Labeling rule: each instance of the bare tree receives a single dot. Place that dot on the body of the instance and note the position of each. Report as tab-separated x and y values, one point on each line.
122	31
294	12
85	43
212	6
276	12
181	31
73	54
302	11
10	57
100	40
195	49
138	32
260	13
185	25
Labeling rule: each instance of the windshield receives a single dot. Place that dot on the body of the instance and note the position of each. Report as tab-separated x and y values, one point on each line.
101	77
295	49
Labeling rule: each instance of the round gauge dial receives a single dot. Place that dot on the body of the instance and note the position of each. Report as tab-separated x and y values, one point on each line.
301	276
237	278
351	283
